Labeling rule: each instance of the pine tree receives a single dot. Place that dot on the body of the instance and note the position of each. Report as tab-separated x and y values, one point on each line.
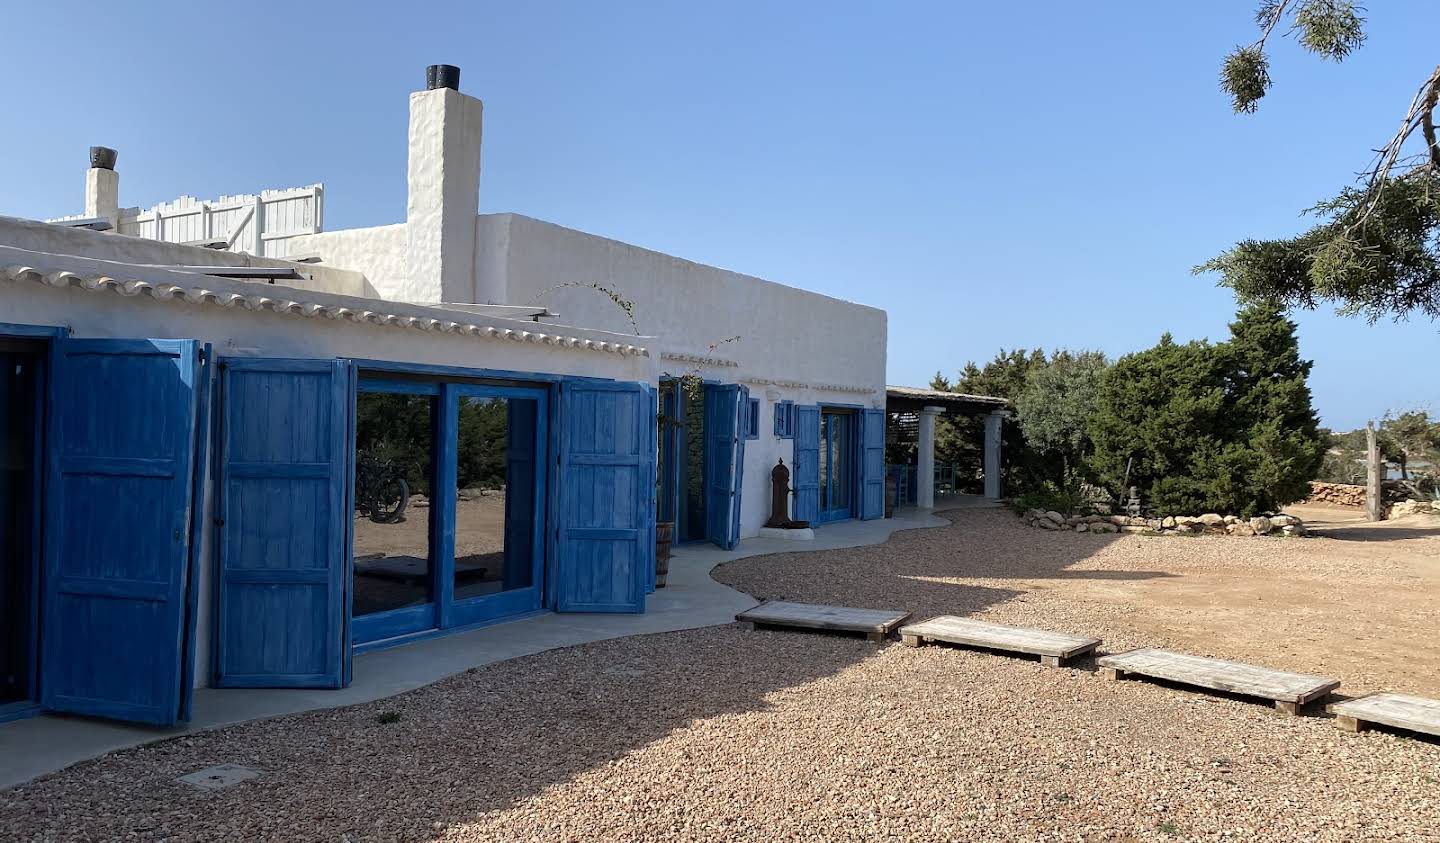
1198	427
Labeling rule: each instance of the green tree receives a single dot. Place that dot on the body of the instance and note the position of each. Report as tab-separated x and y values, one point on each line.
1054	408
1412	438
1157	412
959	439
1270	409
1222	427
1376	250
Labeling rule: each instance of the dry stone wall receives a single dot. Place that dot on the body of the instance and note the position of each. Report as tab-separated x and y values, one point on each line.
1208	524
1337	494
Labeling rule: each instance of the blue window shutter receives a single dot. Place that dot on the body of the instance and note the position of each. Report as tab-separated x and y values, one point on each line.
779	420
118	498
872	464
723	446
285	516
752	417
605	483
805	478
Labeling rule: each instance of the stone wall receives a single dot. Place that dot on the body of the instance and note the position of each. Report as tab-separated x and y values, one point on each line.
1336	494
1208	524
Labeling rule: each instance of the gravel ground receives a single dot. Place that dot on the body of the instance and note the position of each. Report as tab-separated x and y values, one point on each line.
727	734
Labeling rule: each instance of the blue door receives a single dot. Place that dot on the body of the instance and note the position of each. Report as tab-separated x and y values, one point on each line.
121	444
724	455
872	464
805	479
605	519
284	521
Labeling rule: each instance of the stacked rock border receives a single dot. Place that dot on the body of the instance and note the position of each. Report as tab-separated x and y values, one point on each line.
1210	524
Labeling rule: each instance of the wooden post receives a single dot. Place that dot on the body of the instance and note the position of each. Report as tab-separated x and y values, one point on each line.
1372	473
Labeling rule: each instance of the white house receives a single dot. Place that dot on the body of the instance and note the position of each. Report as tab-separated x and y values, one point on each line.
240	448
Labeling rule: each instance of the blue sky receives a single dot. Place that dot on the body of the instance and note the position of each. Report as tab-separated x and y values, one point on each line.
993	175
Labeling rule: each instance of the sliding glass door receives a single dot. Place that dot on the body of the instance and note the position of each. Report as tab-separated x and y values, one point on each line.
449	490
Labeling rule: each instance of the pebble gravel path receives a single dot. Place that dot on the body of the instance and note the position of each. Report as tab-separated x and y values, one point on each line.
728	734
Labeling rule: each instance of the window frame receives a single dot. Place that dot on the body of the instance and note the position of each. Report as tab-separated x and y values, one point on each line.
752	418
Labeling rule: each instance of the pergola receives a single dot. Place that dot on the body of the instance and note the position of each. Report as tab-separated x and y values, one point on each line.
908	405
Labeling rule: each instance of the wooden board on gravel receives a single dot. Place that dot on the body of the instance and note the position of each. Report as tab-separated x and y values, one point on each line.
1289	691
1402	711
875	623
1053	648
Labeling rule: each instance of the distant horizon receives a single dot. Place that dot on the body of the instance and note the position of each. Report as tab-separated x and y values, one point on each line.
763	139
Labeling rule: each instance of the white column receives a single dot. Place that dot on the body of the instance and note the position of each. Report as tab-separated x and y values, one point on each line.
102	194
994	424
925	471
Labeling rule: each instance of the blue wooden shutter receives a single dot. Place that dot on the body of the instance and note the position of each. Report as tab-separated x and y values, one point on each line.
722	447
604	493
872	464
285	515
117	527
746	405
805	476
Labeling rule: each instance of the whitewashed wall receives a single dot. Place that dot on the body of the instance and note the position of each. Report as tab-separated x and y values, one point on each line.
793	344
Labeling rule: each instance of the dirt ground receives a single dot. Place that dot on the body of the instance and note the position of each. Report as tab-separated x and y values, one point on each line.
1358	601
726	734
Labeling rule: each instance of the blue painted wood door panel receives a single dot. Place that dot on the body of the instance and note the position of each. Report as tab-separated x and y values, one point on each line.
285	445
121	439
805	476
604	493
872	464
722	447
739	468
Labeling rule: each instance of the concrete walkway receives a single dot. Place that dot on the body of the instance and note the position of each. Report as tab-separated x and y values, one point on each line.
41	745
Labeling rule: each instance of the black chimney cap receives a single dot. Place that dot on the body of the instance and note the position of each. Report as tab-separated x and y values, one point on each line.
442	76
102	157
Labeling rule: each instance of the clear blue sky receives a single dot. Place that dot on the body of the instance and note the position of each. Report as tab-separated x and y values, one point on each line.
993	175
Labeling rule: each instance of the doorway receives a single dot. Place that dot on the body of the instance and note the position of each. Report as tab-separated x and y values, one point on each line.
837	464
449	493
19	485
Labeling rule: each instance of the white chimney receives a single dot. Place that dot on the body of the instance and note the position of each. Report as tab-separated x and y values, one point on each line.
102	186
444	200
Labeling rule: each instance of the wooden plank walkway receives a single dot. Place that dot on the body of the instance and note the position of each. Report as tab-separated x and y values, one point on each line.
1053	648
1289	691
875	623
1402	711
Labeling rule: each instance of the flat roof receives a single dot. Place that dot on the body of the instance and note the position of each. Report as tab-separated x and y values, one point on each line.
909	399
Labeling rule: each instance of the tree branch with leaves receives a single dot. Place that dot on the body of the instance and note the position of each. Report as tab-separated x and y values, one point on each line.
1376	250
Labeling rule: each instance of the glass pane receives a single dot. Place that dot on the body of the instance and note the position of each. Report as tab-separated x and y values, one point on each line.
840	459
824	462
394	456
692	465
495	496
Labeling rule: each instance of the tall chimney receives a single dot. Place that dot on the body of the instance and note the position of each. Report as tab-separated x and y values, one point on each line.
444	183
102	185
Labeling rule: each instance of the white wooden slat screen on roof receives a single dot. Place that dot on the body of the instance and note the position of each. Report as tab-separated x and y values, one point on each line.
260	225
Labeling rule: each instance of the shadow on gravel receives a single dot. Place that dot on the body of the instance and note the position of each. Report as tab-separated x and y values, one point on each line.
915	570
424	763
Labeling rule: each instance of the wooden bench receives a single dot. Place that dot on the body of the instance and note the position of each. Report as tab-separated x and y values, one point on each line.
1053	648
1399	710
875	623
1289	691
